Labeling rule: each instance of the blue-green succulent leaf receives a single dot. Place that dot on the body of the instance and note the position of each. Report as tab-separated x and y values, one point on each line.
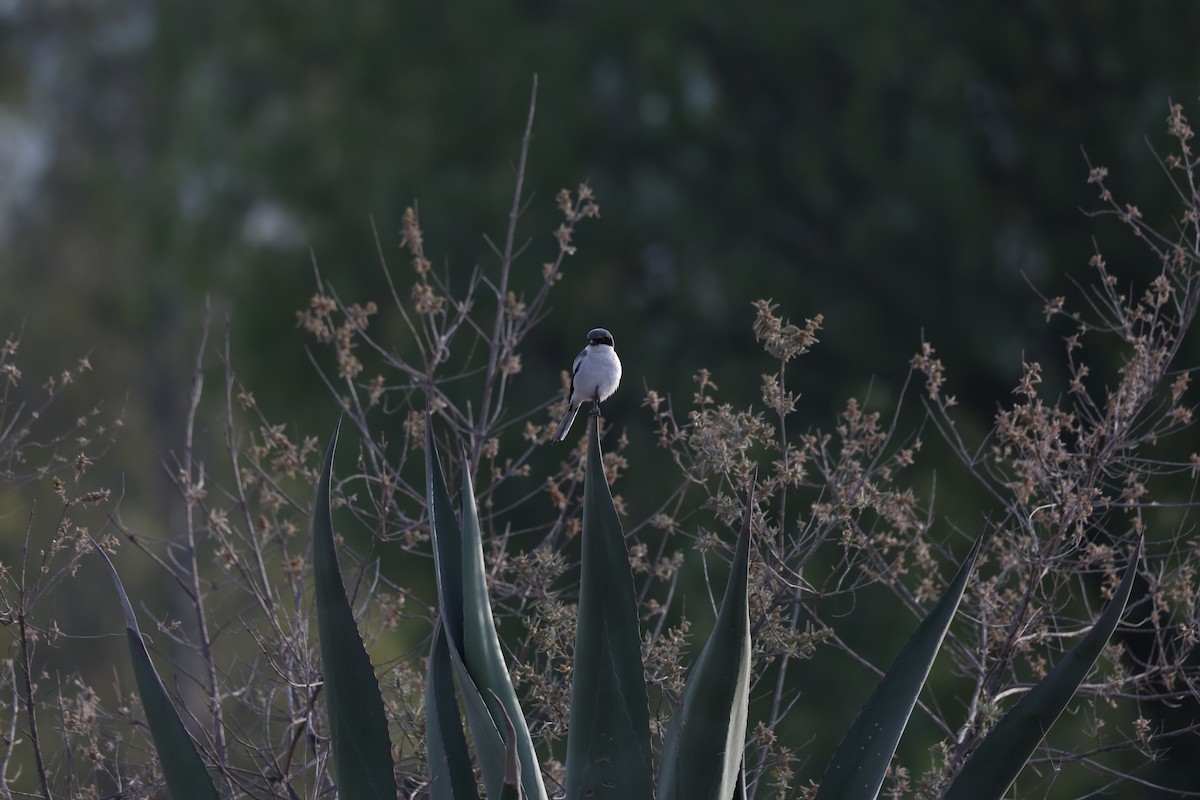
486	738
184	770
993	766
481	645
447	539
702	754
447	543
450	773
512	761
358	730
608	735
860	763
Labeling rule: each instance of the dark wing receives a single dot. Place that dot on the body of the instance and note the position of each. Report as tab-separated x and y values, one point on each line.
575	371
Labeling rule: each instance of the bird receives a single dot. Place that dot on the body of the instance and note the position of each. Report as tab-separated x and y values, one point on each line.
594	376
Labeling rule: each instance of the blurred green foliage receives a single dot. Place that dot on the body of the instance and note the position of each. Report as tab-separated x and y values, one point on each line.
896	167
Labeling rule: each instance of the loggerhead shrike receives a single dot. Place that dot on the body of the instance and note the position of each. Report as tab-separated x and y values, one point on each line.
594	376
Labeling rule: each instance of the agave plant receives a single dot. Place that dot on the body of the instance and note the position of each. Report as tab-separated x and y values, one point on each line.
608	742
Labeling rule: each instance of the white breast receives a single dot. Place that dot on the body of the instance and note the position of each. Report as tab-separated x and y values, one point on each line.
598	375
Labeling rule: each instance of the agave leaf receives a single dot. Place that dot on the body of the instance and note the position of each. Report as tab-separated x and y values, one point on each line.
512	760
858	766
481	647
485	736
448	559
183	769
608	735
450	773
706	736
358	731
447	543
739	789
993	766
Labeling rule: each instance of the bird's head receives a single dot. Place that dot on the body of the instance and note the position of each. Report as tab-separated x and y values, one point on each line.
600	336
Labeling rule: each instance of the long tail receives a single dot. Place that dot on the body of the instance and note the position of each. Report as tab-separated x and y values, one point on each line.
564	426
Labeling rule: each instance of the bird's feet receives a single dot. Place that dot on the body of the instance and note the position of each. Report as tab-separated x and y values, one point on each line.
595	412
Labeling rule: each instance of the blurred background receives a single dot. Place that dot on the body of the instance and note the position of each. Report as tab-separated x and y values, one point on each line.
907	170
904	169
